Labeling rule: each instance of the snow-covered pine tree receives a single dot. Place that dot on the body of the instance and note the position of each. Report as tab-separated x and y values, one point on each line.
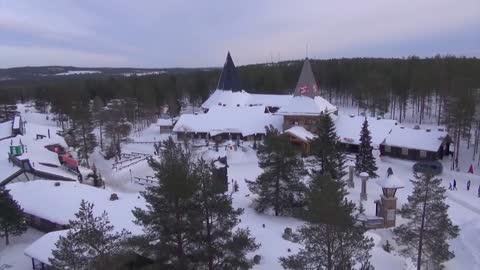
221	245
425	236
12	218
82	129
365	159
280	185
326	148
330	238
172	221
90	243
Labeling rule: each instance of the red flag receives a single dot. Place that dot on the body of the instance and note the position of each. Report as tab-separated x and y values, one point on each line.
470	170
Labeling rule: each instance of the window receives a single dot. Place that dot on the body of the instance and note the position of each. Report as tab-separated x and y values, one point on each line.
405	151
423	154
387	149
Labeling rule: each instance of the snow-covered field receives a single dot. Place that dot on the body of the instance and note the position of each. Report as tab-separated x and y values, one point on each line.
464	205
77	72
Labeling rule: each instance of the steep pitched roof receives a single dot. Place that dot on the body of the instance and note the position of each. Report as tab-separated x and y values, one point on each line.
229	79
306	85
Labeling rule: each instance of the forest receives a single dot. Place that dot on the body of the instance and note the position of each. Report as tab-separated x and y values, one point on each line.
440	90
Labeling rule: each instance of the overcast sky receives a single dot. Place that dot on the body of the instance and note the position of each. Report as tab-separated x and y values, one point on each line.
177	33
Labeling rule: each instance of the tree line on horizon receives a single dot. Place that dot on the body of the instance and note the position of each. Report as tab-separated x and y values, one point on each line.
443	90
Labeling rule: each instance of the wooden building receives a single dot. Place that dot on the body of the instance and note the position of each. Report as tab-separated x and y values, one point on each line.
416	144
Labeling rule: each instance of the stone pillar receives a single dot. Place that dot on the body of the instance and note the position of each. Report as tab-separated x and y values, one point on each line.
389	205
363	194
351	173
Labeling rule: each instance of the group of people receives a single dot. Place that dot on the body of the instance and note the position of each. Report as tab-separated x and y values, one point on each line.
454	186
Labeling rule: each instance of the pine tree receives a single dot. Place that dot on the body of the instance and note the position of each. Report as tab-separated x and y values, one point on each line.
116	125
330	238
82	129
12	218
171	221
280	185
98	111
365	159
425	235
90	243
327	150
221	245
8	107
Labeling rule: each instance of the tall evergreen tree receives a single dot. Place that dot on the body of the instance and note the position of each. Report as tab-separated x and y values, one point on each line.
221	245
98	111
116	126
12	218
280	185
90	243
425	236
8	106
327	149
365	159
171	221
330	238
82	129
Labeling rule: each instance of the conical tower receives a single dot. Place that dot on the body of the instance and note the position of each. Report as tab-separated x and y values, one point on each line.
306	85
229	79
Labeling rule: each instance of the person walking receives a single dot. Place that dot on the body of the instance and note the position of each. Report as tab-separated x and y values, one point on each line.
454	184
450	186
468	185
478	190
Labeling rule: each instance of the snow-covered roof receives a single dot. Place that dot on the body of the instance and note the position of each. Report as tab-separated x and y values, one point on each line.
245	120
59	204
300	133
348	129
420	139
303	105
16	122
6	168
164	122
390	181
42	248
242	98
5	129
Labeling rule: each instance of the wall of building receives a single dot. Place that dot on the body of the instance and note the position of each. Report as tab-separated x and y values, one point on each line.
308	122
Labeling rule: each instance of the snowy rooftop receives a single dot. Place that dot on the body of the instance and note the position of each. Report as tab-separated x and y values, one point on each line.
219	119
59	204
391	181
164	122
301	133
242	98
303	105
42	248
420	139
5	129
349	128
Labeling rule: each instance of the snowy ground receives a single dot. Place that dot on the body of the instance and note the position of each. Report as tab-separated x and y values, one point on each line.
464	205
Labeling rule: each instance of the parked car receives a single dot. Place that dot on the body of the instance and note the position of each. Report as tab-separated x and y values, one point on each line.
432	167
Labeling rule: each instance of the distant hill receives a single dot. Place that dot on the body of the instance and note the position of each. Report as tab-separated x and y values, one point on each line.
50	72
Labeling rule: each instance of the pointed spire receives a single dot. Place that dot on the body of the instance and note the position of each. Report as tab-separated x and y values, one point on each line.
229	79
306	85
